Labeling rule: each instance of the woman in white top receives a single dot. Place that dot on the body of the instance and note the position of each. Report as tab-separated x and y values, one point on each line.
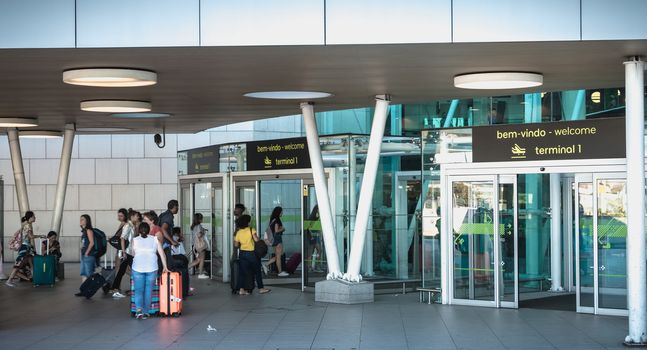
200	245
145	249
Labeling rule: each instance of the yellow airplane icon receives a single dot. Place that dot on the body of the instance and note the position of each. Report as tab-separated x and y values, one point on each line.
518	152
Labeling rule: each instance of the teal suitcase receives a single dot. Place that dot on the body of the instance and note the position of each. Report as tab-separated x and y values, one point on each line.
44	270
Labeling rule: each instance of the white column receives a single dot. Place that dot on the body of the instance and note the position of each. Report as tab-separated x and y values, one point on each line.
555	233
368	186
635	143
321	189
18	170
63	172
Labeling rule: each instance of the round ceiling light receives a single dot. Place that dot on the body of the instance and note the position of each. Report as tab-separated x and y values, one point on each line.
288	95
116	106
40	134
102	129
109	77
140	115
498	80
18	122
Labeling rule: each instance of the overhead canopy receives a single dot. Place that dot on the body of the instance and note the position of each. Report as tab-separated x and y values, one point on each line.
203	87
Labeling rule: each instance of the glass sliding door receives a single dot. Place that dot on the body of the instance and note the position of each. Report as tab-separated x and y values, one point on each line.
601	244
473	229
611	243
483	221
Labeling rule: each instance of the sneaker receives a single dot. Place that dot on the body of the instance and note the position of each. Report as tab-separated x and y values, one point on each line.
145	316
10	284
139	314
118	295
265	269
283	274
203	276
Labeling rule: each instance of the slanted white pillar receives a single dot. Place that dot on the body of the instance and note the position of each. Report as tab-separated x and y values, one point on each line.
63	172
368	186
635	143
321	189
18	171
555	233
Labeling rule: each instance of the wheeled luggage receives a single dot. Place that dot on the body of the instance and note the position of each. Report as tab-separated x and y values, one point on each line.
170	294
154	307
60	271
44	267
91	285
293	263
249	278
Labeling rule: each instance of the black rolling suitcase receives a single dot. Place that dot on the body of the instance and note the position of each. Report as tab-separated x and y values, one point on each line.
249	280
90	287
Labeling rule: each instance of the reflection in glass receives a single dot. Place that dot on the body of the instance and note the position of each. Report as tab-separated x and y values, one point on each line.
473	233
612	244
506	241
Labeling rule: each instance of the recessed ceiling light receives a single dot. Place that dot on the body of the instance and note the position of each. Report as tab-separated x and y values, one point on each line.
140	115
115	106
18	122
109	77
498	80
40	134
101	129
288	95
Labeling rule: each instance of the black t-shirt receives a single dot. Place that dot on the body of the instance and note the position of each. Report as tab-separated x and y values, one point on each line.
167	218
273	224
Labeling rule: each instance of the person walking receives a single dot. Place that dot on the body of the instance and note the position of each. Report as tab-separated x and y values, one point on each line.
125	253
277	228
200	245
88	253
145	250
249	263
26	250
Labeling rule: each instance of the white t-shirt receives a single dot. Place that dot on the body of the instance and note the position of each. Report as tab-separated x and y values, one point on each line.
145	254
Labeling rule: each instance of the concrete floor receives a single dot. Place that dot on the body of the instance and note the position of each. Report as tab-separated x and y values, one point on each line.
52	318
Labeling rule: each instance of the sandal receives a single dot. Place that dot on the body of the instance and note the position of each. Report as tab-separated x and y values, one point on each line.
243	293
264	291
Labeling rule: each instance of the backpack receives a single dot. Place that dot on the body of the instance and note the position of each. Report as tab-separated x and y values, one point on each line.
16	241
268	237
100	243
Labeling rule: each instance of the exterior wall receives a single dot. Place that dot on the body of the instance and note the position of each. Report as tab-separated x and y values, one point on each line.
109	172
156	23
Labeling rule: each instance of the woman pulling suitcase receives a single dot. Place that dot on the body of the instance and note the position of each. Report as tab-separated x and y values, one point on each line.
145	251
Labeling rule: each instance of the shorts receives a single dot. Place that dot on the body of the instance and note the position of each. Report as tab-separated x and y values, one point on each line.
88	264
278	239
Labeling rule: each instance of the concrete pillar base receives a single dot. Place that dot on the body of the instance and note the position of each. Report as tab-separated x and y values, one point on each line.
343	292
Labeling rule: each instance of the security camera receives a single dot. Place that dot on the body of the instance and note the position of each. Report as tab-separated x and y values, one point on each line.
160	140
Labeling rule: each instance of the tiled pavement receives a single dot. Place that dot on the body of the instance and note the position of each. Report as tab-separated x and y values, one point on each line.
45	318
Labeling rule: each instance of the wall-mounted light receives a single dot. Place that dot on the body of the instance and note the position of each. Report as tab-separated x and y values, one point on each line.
116	106
109	77
498	80
595	97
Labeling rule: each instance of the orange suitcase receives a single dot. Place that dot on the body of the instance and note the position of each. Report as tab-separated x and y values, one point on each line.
170	294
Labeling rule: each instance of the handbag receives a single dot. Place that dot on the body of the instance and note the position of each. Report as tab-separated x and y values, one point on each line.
115	241
16	241
260	247
268	236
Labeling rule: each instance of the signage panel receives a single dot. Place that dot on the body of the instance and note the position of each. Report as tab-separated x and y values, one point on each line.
278	154
583	139
203	160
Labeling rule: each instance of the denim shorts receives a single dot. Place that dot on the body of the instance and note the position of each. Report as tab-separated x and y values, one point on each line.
88	264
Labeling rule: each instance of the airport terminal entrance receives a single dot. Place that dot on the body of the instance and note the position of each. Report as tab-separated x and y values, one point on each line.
499	247
260	192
